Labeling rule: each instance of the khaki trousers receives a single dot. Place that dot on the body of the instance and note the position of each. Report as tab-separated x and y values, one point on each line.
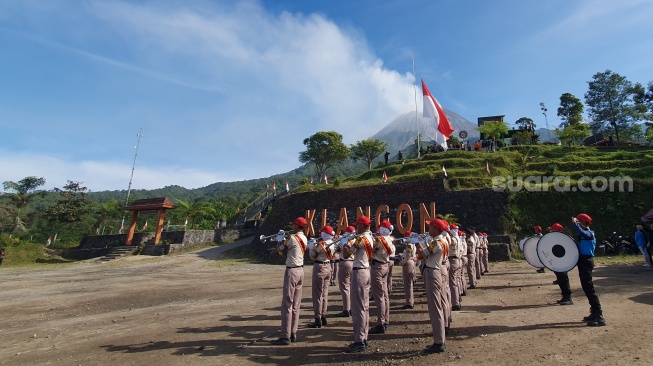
379	283
471	268
454	280
409	277
293	280
320	287
360	303
344	282
433	286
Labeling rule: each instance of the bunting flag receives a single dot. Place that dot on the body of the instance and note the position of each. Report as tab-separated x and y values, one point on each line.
186	222
274	186
49	241
487	166
433	110
385	177
326	179
311	180
444	171
287	187
145	226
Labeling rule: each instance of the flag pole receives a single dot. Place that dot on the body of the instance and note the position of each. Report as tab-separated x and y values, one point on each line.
416	112
129	188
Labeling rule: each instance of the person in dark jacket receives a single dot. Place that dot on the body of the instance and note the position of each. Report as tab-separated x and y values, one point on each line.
642	242
586	246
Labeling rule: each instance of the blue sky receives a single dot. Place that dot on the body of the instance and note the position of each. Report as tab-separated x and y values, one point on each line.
227	90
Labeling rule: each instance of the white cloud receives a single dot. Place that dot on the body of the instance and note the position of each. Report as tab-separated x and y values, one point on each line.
99	176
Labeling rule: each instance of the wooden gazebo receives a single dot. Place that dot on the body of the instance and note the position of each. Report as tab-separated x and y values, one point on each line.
150	207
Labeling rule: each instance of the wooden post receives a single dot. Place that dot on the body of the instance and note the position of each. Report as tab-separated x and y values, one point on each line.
159	225
132	228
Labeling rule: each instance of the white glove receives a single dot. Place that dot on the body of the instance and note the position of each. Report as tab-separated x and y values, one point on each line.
280	236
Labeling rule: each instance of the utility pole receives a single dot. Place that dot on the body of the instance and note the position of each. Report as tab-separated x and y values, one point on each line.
129	188
546	121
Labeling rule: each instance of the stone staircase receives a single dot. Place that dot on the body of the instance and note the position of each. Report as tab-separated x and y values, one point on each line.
117	252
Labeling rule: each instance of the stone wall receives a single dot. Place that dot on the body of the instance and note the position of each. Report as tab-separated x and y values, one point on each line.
480	208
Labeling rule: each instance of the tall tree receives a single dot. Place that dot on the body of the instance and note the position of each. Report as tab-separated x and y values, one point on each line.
525	124
367	150
72	205
493	130
24	191
570	110
325	149
610	103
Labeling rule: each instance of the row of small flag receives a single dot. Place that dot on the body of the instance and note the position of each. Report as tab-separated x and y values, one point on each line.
444	171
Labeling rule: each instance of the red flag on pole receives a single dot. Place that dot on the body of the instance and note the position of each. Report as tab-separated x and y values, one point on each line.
326	179
47	244
246	208
274	186
287	187
385	177
433	110
487	166
444	171
145	226
186	222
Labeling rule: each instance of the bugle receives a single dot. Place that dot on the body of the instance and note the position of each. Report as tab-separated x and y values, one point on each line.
272	237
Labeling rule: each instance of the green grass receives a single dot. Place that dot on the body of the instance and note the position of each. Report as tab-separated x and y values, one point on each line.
29	254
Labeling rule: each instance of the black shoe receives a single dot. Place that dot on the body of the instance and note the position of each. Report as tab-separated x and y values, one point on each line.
471	287
447	330
356	347
456	308
590	317
598	321
555	282
436	348
281	342
541	270
377	329
316	324
486	271
464	293
482	273
324	321
565	302
343	314
407	306
293	337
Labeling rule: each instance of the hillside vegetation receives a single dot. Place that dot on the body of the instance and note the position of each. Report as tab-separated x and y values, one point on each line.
538	204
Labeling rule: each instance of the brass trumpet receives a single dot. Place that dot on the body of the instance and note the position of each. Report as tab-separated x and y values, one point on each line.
272	237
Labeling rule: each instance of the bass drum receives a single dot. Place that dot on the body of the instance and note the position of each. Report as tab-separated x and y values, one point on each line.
558	252
530	252
521	243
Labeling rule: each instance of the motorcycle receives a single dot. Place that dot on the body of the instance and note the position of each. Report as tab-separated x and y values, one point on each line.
610	245
617	244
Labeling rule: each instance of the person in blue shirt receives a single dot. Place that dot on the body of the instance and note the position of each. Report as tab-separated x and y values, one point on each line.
586	244
642	242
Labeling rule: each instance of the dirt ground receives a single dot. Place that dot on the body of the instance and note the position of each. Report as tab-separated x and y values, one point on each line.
198	309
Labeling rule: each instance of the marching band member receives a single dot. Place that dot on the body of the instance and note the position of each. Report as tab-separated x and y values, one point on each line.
407	264
454	268
321	254
444	269
382	250
433	251
344	272
472	242
334	264
562	278
464	261
477	260
586	245
294	247
538	232
361	248
486	258
391	265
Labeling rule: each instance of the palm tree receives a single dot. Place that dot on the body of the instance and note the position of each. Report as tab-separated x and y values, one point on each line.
24	191
195	210
493	129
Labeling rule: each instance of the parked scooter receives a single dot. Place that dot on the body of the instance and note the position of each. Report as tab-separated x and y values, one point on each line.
617	244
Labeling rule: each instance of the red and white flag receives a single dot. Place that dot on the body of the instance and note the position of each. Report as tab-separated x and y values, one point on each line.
186	222
326	179
433	110
311	180
49	241
274	186
145	226
444	171
287	187
487	166
122	227
246	208
385	177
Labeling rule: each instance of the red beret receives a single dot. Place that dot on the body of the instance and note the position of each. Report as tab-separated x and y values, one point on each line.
363	220
538	228
439	224
555	227
386	224
584	218
327	229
